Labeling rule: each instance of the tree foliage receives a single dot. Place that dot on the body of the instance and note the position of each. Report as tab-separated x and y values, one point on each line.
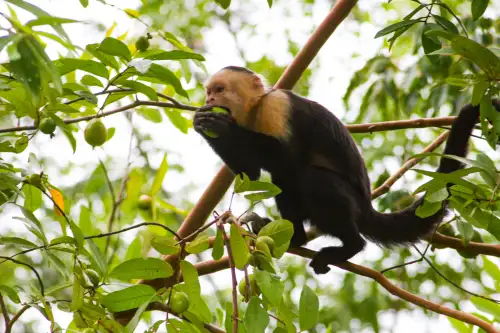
83	239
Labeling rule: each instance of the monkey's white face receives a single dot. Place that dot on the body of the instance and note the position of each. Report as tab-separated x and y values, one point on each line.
220	91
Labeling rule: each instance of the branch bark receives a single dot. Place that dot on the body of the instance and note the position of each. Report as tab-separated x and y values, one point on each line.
384	188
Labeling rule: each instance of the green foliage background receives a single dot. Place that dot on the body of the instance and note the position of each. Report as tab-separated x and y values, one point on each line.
46	72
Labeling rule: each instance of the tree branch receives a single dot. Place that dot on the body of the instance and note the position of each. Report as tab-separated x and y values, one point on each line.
384	188
400	124
472	247
108	113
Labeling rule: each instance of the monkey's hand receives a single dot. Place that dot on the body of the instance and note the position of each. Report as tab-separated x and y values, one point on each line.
218	123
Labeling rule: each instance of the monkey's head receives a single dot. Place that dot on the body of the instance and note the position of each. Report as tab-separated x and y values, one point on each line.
236	88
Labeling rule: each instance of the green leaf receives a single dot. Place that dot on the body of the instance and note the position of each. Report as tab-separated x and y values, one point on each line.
63	240
491	268
190	276
428	208
460	326
480	55
256	317
17	241
270	3
176	118
115	47
160	175
98	259
223	3
103	57
486	306
200	244
33	225
77	234
140	88
270	285
5	40
49	20
396	26
26	70
128	298
450	27
90	80
490	120
262	190
281	231
11	293
478	7
165	245
68	65
478	91
150	114
218	247
466	231
111	133
175	55
239	247
139	268
437	196
308	309
166	76
84	3
32	197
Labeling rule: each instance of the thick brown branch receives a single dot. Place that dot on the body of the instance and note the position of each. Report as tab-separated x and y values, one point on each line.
403	294
400	124
472	247
407	166
223	263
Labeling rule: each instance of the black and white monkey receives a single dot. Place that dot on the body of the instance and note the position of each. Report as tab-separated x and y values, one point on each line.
312	157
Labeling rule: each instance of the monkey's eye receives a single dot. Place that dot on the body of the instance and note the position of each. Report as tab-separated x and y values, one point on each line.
219	89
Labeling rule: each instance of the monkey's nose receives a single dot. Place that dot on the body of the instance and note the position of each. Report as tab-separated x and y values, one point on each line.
210	100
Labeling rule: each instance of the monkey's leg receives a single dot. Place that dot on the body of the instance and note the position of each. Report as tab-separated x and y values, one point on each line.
333	209
291	208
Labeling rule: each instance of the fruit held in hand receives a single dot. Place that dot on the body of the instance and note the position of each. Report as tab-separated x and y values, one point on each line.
142	43
47	126
179	302
95	133
215	109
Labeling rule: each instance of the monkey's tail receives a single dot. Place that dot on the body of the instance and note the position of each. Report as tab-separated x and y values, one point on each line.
405	227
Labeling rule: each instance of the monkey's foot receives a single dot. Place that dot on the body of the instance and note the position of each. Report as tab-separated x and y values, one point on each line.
328	256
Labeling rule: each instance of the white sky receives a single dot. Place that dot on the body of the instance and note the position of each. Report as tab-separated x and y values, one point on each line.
198	159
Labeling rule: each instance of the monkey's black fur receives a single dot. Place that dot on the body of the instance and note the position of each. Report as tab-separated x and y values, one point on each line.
335	199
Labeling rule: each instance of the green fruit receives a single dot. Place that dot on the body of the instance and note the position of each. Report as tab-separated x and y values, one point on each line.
95	133
254	288
215	109
93	276
34	179
486	23
142	43
265	244
179	302
47	126
144	202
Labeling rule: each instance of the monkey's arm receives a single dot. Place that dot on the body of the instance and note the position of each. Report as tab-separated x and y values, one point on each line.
242	150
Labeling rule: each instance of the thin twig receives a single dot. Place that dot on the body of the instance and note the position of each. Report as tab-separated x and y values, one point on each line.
451	282
13	320
233	278
384	188
42	289
4	311
133	227
107	113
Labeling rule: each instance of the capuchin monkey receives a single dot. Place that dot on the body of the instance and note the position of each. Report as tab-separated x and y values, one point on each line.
312	157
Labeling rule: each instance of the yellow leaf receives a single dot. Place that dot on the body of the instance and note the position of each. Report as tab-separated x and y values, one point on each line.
58	201
122	37
132	12
110	30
